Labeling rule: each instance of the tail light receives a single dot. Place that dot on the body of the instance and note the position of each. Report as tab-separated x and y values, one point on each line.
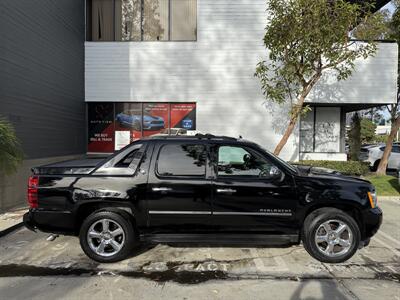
33	183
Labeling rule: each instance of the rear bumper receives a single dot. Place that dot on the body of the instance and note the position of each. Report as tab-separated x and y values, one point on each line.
62	222
372	221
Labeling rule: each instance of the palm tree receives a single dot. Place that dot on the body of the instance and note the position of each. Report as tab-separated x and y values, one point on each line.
11	154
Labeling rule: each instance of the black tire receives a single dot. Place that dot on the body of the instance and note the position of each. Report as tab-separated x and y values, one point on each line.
127	237
375	166
313	222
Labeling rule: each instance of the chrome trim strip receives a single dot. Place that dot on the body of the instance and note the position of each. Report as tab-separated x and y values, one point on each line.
161	189
226	191
179	212
221	213
252	213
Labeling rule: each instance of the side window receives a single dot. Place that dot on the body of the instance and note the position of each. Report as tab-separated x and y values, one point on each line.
237	161
182	160
128	159
123	163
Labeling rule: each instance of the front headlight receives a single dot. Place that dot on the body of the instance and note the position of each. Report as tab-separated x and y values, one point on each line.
373	200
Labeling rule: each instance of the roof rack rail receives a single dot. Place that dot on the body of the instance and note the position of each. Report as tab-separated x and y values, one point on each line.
211	136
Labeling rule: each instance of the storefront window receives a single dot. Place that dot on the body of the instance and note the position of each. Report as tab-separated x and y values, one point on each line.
112	126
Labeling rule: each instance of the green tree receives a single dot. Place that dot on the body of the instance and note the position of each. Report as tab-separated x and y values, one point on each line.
304	39
393	33
10	151
355	137
367	130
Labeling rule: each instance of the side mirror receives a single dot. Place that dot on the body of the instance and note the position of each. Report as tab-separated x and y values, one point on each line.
275	173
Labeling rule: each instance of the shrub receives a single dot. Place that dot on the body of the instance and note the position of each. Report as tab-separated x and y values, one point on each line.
354	168
10	151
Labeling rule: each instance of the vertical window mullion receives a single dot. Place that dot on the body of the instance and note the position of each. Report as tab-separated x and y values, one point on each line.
113	19
169	20
315	116
141	19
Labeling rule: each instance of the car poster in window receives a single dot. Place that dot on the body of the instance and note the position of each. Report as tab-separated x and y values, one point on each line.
183	115
155	118
101	127
128	118
113	125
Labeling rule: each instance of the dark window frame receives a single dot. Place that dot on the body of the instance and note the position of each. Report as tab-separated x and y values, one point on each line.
88	25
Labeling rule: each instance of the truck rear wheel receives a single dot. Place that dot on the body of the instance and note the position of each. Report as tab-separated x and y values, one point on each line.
330	235
107	236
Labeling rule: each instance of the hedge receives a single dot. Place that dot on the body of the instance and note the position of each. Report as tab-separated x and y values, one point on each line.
354	168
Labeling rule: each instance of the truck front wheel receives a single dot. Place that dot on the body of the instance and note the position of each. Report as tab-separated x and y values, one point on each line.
330	235
107	236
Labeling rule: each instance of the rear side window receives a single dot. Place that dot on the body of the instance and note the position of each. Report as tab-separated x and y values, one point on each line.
128	159
182	160
125	162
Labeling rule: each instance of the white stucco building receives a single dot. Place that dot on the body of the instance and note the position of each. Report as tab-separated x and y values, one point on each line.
205	52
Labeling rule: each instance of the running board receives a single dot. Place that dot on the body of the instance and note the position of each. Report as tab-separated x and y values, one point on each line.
222	238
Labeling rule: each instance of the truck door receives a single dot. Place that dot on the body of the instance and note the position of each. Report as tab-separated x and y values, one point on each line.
178	190
248	196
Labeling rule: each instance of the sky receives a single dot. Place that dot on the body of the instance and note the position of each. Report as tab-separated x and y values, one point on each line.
389	6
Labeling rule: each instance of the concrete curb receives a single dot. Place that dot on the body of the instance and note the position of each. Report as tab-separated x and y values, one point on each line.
11	229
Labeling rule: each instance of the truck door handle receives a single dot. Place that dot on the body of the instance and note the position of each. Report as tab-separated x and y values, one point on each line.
230	191
161	189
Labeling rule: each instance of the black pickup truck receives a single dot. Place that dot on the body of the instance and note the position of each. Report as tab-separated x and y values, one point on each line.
202	189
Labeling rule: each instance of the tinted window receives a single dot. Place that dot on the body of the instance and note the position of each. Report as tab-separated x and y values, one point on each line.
237	161
182	160
127	160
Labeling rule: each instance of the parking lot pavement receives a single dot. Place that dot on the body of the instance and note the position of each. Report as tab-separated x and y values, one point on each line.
31	267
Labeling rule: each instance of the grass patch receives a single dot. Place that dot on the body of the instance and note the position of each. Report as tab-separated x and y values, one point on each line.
385	185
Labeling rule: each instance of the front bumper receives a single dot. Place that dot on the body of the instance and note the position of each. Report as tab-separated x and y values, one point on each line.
372	221
61	222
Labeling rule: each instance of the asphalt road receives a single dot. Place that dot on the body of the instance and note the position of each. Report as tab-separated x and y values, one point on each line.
33	268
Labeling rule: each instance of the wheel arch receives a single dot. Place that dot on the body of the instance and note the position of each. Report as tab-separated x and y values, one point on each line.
86	209
348	208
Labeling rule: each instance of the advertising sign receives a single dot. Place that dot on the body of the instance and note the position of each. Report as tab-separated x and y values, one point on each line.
101	127
155	118
183	115
128	118
113	125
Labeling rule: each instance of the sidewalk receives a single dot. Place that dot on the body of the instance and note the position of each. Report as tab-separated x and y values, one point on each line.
11	220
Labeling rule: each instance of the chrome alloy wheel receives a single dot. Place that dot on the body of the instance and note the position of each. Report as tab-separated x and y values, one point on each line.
105	237
333	238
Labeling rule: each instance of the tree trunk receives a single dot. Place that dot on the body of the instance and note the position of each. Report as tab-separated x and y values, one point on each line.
292	124
307	86
388	149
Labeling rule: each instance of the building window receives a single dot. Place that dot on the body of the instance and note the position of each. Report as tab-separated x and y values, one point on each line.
320	130
141	20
